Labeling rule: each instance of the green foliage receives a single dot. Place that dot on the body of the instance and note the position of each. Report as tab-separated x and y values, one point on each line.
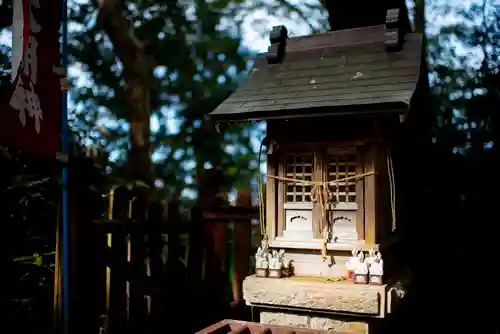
196	59
463	62
4	66
28	197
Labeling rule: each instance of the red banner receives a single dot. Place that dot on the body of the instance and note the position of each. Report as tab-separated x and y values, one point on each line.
30	110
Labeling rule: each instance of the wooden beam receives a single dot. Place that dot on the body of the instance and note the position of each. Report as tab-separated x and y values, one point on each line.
369	194
319	174
271	197
280	205
241	249
360	196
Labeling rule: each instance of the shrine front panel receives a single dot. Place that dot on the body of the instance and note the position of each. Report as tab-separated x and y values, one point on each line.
298	225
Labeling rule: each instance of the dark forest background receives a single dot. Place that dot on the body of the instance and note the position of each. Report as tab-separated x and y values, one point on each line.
450	227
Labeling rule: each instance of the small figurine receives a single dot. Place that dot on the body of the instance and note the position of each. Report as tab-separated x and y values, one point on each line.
281	256
376	269
265	245
258	257
372	254
286	272
352	263
361	270
273	259
261	262
276	263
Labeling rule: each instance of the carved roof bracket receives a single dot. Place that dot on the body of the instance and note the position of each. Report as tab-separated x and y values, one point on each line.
394	30
277	49
222	126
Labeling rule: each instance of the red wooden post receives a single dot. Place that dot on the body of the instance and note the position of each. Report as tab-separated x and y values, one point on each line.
241	248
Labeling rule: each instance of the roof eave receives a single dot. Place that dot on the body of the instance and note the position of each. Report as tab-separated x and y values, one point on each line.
255	115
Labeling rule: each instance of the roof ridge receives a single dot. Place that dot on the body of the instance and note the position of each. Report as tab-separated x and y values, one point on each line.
338	38
332	32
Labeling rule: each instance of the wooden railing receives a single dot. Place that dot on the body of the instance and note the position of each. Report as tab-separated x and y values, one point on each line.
233	326
135	266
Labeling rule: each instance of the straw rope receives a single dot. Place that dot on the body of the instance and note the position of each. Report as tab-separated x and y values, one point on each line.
392	191
320	193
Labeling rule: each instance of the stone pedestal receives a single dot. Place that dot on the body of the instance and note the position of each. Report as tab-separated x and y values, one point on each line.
318	322
316	303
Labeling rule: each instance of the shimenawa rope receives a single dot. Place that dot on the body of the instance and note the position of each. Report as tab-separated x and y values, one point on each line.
390	171
320	193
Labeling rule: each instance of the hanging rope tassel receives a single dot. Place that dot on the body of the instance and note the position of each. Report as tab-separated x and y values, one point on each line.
262	218
392	191
321	194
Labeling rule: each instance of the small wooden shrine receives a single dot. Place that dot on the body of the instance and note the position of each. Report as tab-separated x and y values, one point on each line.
332	102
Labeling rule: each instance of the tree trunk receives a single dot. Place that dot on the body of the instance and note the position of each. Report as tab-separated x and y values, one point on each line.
423	96
137	72
419	16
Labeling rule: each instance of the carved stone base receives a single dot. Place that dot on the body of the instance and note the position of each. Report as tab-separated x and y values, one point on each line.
316	294
317	303
314	322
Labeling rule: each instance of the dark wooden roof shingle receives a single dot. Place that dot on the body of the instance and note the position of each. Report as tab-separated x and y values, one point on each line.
349	68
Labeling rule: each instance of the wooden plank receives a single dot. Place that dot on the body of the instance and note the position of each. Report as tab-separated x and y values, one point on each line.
117	317
346	37
242	245
229	220
319	174
310	67
84	265
223	210
342	57
312	132
333	59
329	75
173	263
280	205
387	85
326	97
137	311
271	195
303	80
118	209
360	198
396	102
195	255
100	275
119	225
404	78
370	194
155	247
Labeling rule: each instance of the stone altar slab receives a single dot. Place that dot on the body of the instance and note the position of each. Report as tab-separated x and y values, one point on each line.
315	294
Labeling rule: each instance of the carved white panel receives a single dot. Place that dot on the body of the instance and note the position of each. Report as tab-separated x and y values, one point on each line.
298	225
344	226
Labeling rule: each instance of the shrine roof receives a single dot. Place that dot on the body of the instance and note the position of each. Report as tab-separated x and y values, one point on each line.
341	72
